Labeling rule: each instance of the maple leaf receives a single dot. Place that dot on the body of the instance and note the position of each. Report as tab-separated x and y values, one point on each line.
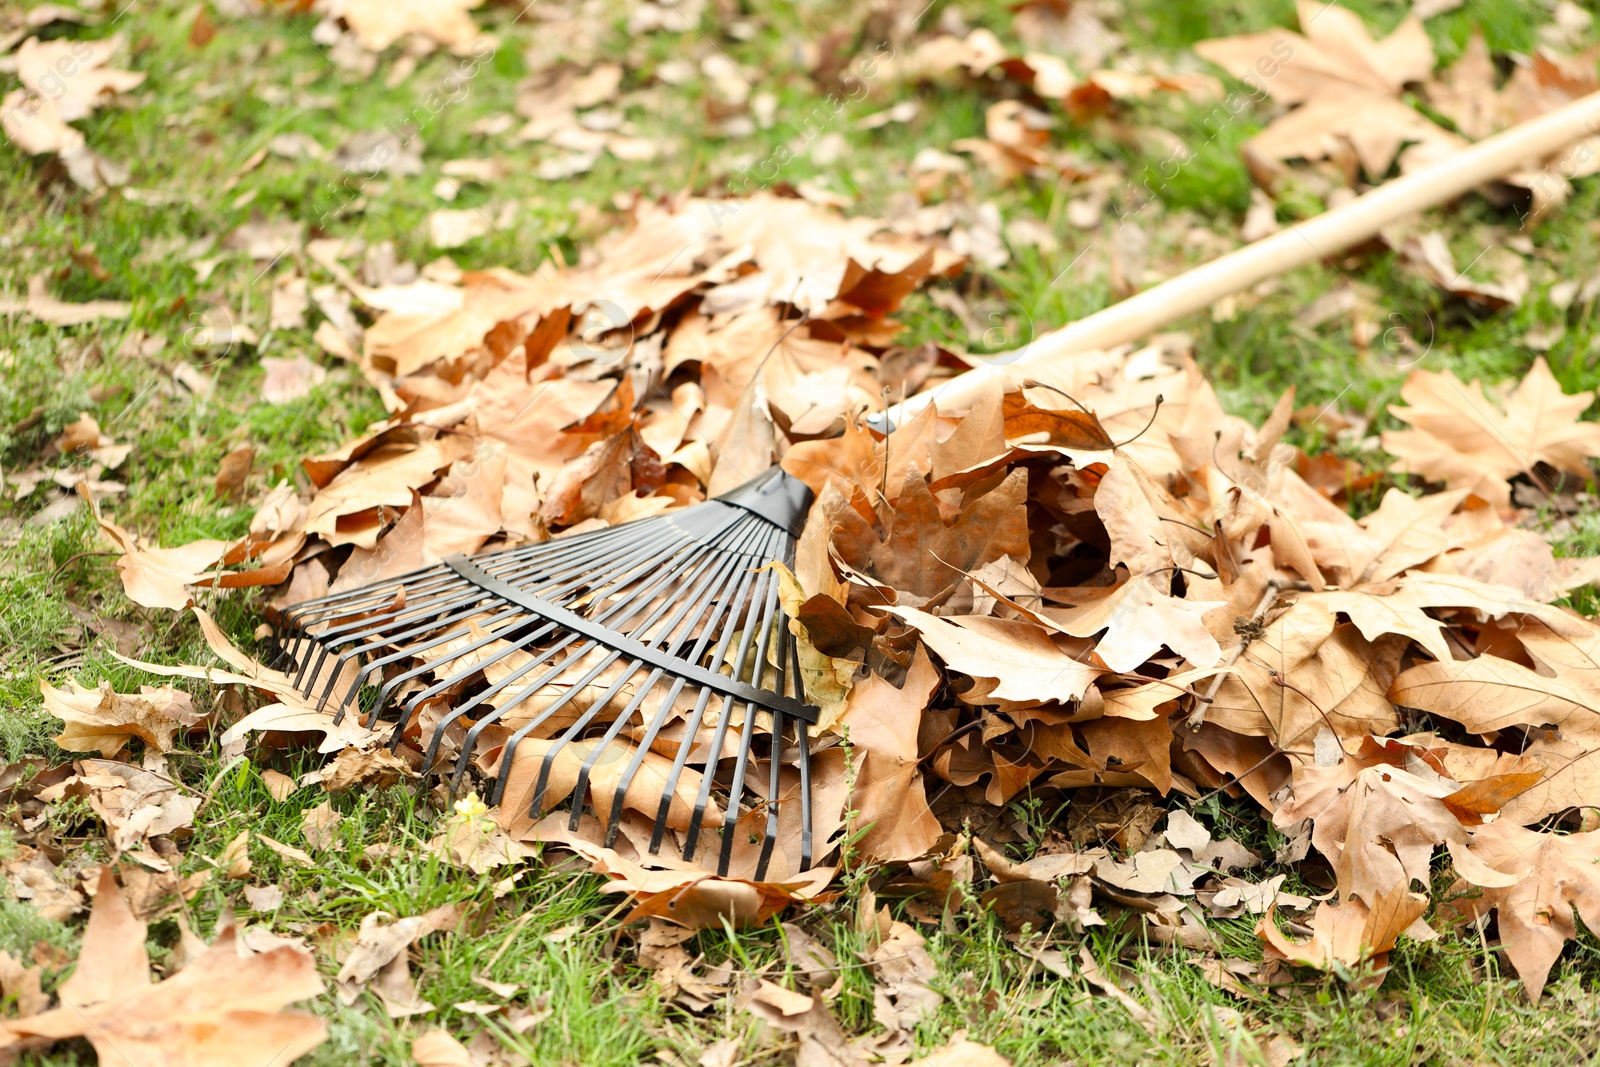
1307	674
378	24
1461	438
1137	620
1397	607
1489	693
1347	934
1553	879
224	1009
1346	85
1015	662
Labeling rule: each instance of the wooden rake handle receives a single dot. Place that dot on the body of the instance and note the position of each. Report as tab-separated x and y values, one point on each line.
1330	233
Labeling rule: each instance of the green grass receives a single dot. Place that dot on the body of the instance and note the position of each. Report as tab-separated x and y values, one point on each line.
186	136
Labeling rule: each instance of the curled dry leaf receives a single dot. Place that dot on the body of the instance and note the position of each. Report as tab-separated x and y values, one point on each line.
382	938
1348	934
101	720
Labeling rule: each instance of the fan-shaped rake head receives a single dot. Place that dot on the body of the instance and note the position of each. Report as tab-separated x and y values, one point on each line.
639	671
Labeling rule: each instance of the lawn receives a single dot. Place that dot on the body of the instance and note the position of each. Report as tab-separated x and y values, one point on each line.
244	120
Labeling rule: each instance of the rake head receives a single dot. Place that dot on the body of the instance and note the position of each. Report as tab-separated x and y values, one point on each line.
635	671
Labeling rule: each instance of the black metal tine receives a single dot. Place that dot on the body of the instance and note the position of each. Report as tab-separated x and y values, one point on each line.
741	760
758	666
703	797
770	838
675	629
580	788
558	560
743	597
704	567
803	741
544	553
765	581
692	725
469	593
469	606
436	665
495	714
774	778
573	689
722	605
730	609
374	666
638	598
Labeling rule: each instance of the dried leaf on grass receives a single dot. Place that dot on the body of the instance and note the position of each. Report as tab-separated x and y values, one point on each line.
1554	880
224	1009
382	938
1348	934
1460	437
101	720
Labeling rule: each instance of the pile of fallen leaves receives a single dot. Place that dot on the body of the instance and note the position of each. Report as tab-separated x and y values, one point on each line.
1059	619
1102	586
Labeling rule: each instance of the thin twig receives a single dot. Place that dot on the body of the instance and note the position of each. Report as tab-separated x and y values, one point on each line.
1197	717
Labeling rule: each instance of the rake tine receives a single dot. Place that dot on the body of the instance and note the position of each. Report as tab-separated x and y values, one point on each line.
721	731
603	744
604	632
730	818
758	666
706	567
731	607
692	730
771	837
469	605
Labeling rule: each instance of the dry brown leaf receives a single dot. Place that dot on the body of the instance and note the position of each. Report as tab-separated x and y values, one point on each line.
919	554
279	785
1347	85
318	825
889	797
1307	673
157	577
100	720
1554	878
378	24
1461	438
375	768
1015	662
234	859
1350	933
383	938
435	1048
225	1009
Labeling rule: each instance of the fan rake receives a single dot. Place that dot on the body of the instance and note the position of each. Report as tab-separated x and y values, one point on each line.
624	660
665	634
